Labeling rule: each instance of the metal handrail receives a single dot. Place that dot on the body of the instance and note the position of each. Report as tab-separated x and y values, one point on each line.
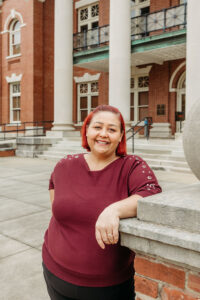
22	127
141	26
147	123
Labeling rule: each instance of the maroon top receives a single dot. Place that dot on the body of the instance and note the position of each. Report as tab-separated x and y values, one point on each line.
70	250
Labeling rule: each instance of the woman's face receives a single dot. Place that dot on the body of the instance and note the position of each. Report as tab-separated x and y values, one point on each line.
104	133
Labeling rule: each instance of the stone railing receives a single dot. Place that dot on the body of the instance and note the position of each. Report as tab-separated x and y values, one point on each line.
166	239
172	18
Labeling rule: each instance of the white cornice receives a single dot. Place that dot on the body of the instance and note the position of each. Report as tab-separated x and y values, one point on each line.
14	78
140	71
87	77
82	3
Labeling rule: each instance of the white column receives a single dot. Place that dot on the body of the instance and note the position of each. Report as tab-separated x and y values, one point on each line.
63	65
120	56
192	55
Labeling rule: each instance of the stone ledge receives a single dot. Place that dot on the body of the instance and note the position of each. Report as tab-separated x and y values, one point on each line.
178	208
167	227
43	140
172	245
160	233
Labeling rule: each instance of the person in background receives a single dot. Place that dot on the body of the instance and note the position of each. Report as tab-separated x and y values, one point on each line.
90	193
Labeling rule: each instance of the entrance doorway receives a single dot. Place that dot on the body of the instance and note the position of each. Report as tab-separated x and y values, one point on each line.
180	102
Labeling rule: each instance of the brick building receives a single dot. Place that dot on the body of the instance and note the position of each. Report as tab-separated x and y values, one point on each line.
154	72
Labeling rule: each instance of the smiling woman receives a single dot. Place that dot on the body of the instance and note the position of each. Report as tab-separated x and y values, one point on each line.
90	193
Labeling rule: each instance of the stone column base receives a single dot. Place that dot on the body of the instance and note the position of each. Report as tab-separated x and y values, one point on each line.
62	130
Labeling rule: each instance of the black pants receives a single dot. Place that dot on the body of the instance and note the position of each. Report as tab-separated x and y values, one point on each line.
59	289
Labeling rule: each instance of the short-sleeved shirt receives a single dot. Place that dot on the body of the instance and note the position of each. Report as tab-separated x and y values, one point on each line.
70	250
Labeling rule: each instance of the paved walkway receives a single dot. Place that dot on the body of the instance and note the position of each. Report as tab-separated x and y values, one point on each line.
24	216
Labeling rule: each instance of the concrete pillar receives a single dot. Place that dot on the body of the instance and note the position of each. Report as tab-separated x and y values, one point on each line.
120	56
63	65
192	54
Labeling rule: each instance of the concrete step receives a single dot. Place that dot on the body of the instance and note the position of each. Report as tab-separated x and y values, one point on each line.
60	154
162	157
158	162
171	169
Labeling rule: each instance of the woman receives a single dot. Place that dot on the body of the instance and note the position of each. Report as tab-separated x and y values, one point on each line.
90	193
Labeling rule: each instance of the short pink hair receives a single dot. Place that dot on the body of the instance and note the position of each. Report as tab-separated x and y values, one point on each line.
121	149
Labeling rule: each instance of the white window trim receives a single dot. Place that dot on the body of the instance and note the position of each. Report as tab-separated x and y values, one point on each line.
83	3
90	19
13	56
136	90
11	33
171	89
14	78
138	5
11	103
13	15
89	95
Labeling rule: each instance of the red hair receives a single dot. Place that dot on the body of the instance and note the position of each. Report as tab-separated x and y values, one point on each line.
121	148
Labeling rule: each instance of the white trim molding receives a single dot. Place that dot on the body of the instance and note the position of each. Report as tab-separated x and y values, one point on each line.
13	56
82	3
87	78
13	14
14	78
171	89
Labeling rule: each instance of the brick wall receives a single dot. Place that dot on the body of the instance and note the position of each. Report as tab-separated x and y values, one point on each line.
48	63
104	10
161	280
36	63
38	33
20	65
160	4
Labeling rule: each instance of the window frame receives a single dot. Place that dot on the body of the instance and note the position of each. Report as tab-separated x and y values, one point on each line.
12	95
90	20
12	33
136	90
136	7
89	95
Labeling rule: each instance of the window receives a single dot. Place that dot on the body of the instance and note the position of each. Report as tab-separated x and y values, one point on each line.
15	105
88	94
88	17
139	98
160	109
139	7
15	37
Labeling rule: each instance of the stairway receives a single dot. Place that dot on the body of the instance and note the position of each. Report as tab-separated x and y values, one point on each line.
160	154
68	145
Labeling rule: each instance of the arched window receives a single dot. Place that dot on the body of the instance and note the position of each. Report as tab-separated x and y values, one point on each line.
15	37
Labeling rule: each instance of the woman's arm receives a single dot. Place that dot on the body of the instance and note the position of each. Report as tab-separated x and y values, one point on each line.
107	225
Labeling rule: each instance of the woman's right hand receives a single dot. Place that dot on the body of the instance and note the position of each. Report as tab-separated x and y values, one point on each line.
107	227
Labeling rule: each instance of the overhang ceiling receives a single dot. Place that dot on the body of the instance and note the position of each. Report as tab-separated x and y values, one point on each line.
157	56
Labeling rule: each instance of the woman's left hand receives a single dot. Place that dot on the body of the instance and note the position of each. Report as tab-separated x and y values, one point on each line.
107	227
